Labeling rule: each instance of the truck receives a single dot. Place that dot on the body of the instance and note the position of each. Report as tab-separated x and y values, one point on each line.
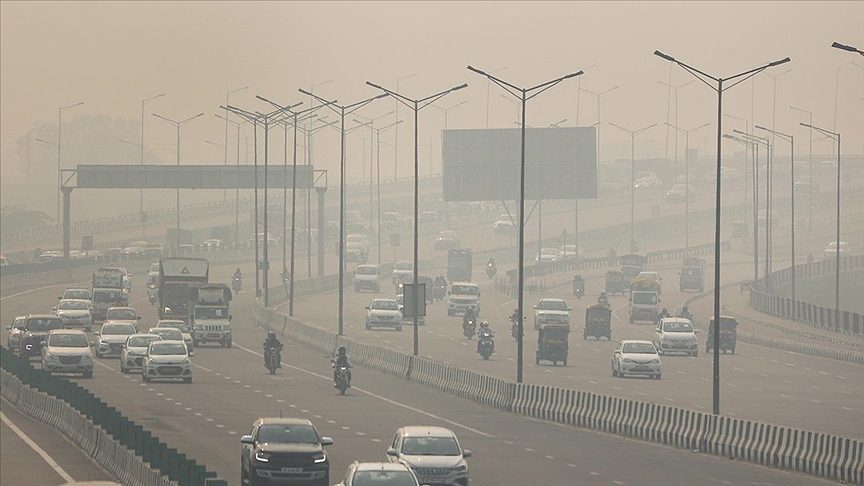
632	264
209	314
644	300
692	275
108	290
462	296
176	275
459	264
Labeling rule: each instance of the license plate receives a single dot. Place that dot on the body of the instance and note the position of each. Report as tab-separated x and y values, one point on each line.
293	470
433	481
214	335
640	368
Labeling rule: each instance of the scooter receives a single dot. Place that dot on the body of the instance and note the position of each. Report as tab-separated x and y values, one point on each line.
486	345
342	382
152	294
236	284
579	289
469	327
272	357
491	270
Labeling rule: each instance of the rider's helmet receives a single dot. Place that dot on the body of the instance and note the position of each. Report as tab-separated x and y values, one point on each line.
684	310
271	335
484	324
665	311
342	350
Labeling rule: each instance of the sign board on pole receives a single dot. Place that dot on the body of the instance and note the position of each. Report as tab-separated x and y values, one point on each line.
414	303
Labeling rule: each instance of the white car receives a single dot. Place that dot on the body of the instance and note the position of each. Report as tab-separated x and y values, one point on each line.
67	351
832	249
167	360
122	315
134	350
167	333
211	245
112	336
548	255
433	453
76	293
403	272
356	248
366	278
505	227
383	313
676	335
634	357
568	252
74	313
551	311
185	331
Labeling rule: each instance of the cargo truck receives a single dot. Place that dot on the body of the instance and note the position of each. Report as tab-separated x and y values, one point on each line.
176	275
459	264
209	314
692	275
108	290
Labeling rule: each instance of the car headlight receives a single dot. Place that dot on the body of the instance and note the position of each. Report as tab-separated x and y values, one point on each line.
261	456
103	342
48	355
460	467
655	361
186	362
319	458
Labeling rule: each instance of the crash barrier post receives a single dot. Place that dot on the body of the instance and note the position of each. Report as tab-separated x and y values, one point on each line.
130	453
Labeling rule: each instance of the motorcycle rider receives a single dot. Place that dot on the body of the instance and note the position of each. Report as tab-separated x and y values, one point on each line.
272	345
663	313
341	359
685	313
603	300
485	332
469	316
238	274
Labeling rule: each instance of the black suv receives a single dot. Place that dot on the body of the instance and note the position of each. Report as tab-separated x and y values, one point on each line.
280	450
35	331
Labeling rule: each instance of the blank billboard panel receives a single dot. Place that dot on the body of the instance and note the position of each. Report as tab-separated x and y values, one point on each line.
483	164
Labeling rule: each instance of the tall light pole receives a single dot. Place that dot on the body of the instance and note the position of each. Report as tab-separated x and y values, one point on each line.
837	84
416	105
523	95
59	145
178	125
673	89
687	176
237	125
446	111
342	111
791	140
769	161
370	122
633	134
396	131
225	147
835	136
749	144
310	150
141	191
488	85
579	93
705	78
599	120
747	148
810	162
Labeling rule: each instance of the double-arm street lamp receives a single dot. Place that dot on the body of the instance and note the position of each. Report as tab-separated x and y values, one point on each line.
599	96
842	47
225	147
810	162
236	125
447	110
633	134
342	111
835	136
746	161
178	125
719	88
750	144
141	147
59	145
687	174
370	122
416	105
769	196
396	131
674	89
523	95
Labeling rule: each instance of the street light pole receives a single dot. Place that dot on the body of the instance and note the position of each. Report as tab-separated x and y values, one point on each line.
523	94
675	89
396	131
719	90
59	145
416	105
178	125
237	125
488	85
141	191
835	136
228	102
755	147
687	173
599	96
769	160
747	148
633	134
447	110
810	162
371	124
791	140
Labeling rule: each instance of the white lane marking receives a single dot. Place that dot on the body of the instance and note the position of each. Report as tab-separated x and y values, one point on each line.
790	364
806	368
550	458
528	449
841	377
823	373
849	409
379	397
592	382
33	445
785	396
572	465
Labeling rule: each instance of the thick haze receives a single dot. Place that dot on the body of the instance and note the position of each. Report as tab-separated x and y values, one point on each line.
111	55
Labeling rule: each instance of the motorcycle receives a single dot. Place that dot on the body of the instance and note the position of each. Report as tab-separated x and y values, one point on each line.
152	294
271	357
236	284
579	289
469	327
342	382
439	291
486	345
491	270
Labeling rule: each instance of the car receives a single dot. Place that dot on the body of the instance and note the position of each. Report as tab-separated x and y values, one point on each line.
67	351
15	332
75	293
284	450
33	331
379	473
392	220
568	252
676	335
185	331
447	240
133	252
212	245
548	255
134	350
403	272
428	216
433	453
833	248
154	251
551	311
366	278
4	262
74	313
356	248
167	333
383	313
122	315
730	173
680	193
114	254
166	360
651	276
806	186
647	183
636	357
112	336
504	227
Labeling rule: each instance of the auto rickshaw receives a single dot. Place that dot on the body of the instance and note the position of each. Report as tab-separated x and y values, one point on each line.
615	282
552	344
598	322
632	264
728	334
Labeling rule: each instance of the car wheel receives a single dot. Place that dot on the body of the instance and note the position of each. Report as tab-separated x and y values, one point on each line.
399	328
123	368
696	353
657	376
144	377
228	343
88	374
614	371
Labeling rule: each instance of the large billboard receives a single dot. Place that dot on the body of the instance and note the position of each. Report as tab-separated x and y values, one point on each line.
483	164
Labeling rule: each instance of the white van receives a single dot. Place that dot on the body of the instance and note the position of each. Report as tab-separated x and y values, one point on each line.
463	295
366	278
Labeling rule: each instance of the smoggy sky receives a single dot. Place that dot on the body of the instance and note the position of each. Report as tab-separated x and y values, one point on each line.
111	55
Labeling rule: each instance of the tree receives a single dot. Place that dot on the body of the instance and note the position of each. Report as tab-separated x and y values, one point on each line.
19	218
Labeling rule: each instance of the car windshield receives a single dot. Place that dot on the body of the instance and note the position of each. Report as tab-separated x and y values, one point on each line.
117	329
154	267
383	478
68	341
558	305
211	313
639	348
651	275
403	266
367	271
385	305
179	325
447	234
45	324
121	314
644	298
354	239
142	342
678	327
167	349
691	271
167	333
465	290
288	434
430	446
77	294
72	305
